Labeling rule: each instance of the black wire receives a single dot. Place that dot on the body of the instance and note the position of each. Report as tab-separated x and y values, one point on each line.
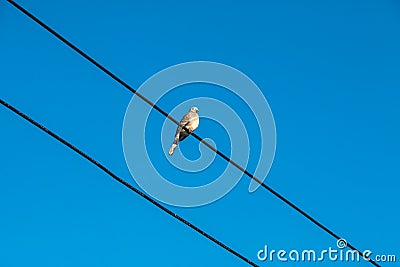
153	105
120	180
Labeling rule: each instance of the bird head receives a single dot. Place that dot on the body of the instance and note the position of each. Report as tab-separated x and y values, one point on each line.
194	109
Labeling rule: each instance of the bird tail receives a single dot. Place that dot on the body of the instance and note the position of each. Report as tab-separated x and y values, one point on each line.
172	149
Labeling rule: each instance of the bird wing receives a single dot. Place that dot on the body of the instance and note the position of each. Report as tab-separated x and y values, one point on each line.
184	121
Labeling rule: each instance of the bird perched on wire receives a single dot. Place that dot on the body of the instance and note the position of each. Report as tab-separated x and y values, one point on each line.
188	124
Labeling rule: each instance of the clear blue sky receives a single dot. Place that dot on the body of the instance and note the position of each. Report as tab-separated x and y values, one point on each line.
330	71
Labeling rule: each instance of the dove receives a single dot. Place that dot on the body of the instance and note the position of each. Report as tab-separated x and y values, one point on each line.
190	121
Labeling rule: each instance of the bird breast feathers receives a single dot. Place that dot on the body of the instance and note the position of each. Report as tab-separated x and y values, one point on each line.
193	122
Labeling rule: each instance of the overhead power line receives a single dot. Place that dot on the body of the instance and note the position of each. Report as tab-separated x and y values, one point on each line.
125	183
154	106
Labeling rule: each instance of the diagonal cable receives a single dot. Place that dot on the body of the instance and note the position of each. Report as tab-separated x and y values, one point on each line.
125	183
154	106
